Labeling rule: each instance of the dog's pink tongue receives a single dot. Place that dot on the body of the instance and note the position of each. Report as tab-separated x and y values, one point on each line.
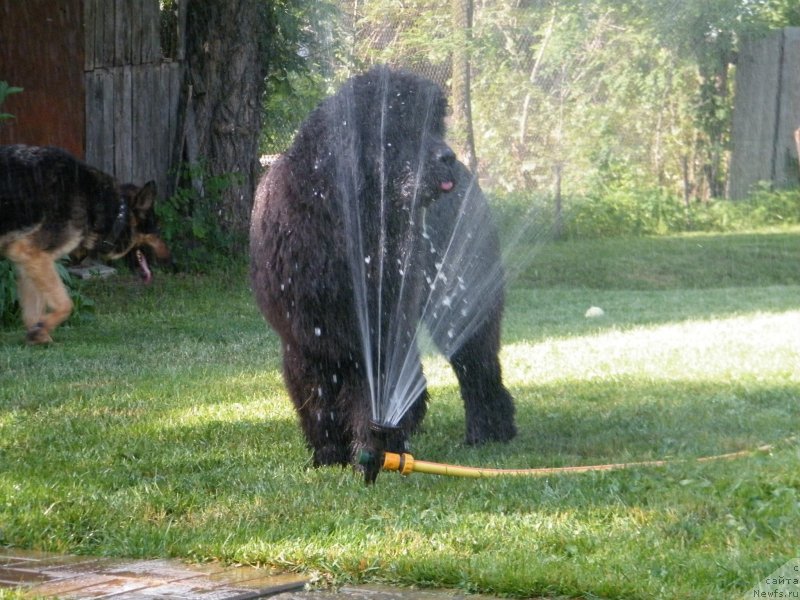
144	268
447	185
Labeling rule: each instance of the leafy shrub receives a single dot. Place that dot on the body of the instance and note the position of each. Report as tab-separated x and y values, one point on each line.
625	212
5	91
9	307
629	212
191	221
763	208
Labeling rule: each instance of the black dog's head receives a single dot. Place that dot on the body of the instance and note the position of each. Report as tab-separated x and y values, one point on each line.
387	127
410	137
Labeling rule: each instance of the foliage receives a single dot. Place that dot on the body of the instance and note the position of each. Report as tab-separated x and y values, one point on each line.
629	211
9	307
5	91
289	99
191	223
550	93
299	40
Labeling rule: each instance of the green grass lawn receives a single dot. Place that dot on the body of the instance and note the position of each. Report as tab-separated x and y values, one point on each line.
161	428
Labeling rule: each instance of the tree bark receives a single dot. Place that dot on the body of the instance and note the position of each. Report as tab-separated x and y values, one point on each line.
224	41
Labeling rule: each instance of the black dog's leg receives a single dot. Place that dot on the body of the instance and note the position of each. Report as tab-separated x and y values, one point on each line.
488	405
315	398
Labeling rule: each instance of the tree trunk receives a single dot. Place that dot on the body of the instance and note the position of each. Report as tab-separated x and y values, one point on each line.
226	80
462	101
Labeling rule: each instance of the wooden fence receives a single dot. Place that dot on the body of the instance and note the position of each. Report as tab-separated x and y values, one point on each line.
133	93
766	113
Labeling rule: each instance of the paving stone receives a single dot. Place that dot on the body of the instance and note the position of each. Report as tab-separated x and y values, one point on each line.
70	577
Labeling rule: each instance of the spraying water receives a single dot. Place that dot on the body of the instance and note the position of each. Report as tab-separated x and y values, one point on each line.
382	237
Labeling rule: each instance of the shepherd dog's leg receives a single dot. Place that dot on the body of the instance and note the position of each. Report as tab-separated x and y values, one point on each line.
30	300
56	299
40	289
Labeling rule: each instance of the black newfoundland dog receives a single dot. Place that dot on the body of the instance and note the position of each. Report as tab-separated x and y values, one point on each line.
349	229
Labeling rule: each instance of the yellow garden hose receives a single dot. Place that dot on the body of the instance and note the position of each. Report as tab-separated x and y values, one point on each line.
407	464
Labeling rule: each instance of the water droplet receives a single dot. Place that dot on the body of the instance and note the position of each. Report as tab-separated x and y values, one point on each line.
335	378
317	331
446	301
367	259
451	334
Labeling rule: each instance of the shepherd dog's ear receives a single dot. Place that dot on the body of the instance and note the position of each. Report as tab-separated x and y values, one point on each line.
145	197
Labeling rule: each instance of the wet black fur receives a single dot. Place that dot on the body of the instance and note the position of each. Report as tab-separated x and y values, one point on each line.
301	268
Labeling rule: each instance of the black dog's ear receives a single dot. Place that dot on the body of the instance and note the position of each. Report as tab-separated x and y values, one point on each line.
145	197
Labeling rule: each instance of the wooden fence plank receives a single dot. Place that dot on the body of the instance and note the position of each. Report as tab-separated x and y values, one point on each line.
94	115
108	47
786	160
123	136
88	34
754	115
151	30
132	96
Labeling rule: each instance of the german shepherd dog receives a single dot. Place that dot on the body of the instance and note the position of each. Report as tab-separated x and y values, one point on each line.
52	204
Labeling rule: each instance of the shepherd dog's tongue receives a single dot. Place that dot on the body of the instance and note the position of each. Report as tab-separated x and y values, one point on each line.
446	186
144	268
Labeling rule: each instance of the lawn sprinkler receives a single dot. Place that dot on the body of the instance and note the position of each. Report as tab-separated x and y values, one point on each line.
386	439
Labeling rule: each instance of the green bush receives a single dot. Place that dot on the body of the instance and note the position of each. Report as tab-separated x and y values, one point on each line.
9	307
624	212
763	208
5	91
191	221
